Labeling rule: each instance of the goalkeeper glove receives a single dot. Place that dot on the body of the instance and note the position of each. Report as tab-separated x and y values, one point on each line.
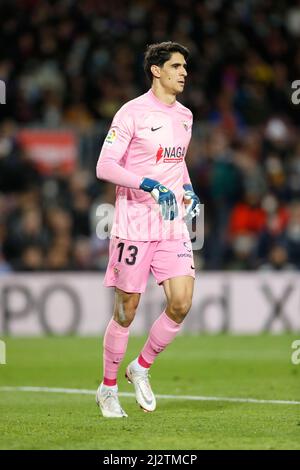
193	206
165	198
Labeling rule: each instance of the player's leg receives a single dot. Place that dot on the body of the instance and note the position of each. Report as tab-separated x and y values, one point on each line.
176	257
117	333
127	271
114	348
179	292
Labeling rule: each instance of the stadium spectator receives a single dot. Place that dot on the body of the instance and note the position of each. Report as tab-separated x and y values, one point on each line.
278	259
293	234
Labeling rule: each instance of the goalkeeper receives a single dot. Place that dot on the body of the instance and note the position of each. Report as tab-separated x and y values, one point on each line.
144	155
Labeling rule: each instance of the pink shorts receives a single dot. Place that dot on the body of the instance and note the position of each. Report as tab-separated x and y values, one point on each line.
130	262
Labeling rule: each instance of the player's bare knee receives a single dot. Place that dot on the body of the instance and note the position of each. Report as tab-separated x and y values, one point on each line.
178	309
125	309
125	322
124	315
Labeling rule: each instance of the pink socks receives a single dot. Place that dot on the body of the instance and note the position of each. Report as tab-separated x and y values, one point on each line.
114	346
162	333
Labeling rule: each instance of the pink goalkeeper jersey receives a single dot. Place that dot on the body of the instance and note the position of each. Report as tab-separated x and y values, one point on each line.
147	138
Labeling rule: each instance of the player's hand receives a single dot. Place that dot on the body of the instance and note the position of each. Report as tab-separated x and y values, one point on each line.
163	196
192	202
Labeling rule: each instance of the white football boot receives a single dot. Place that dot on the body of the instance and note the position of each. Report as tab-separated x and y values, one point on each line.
108	402
143	393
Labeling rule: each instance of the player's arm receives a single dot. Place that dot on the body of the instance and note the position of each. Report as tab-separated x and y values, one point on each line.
191	200
109	166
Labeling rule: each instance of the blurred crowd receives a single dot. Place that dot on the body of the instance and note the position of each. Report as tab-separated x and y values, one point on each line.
69	64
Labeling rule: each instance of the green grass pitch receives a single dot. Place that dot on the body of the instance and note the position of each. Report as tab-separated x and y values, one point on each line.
257	367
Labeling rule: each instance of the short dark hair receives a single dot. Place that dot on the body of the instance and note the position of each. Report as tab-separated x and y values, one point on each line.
158	54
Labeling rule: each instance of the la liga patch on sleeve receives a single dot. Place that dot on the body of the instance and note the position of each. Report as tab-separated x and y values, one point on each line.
111	137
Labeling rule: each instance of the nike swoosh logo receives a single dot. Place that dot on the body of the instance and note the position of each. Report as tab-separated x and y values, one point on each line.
155	128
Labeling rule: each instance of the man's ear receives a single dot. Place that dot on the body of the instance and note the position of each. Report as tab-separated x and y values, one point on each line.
155	69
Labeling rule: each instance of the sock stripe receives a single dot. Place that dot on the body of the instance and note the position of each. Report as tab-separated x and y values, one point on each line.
142	362
109	382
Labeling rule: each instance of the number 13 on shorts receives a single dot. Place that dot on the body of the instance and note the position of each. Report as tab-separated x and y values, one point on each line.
131	252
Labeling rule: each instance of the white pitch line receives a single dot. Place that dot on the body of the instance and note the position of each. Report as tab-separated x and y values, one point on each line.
168	397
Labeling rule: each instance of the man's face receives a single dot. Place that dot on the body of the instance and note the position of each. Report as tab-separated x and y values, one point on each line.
173	73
